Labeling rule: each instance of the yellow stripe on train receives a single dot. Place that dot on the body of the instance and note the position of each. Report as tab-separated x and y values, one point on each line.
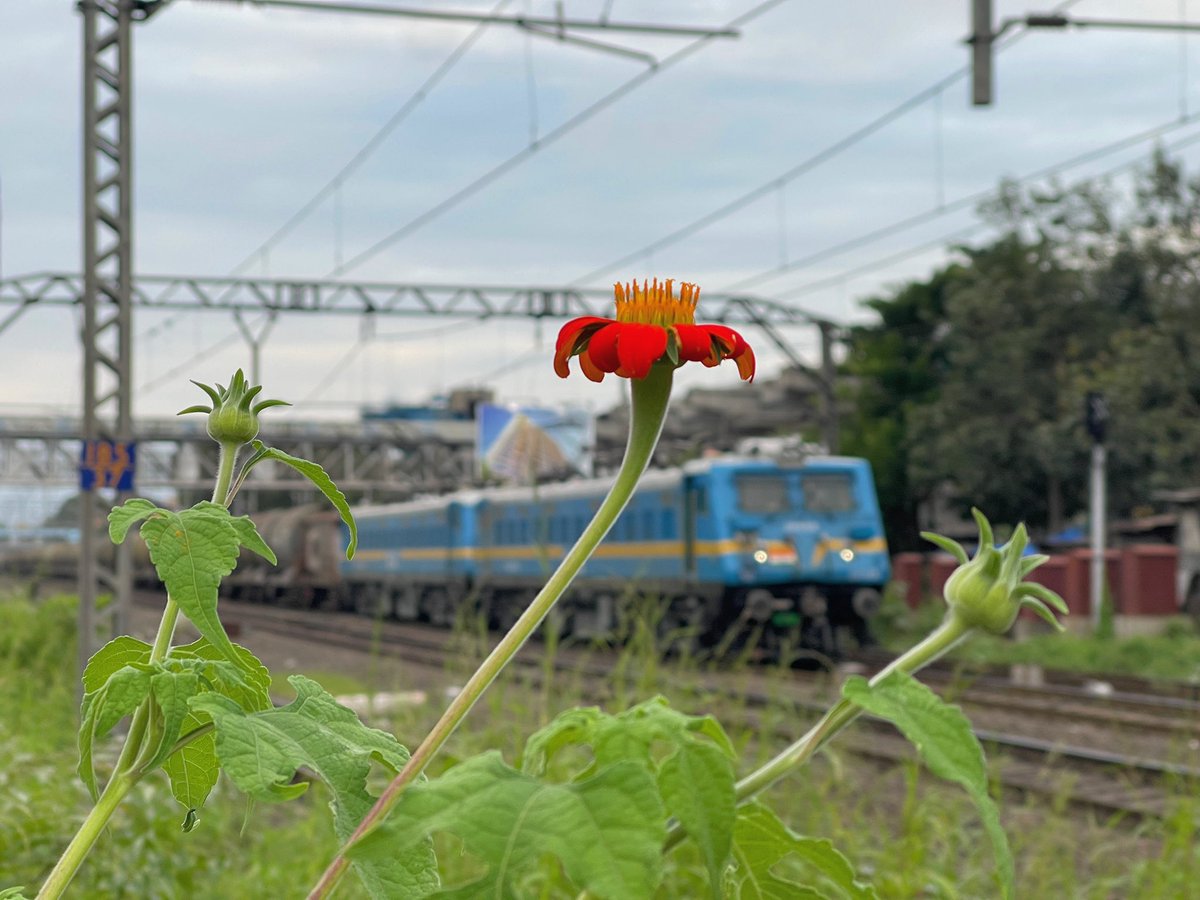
780	550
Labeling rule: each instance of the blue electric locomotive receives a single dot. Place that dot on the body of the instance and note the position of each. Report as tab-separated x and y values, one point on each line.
726	546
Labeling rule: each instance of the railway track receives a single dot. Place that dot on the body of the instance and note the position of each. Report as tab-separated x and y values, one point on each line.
1091	771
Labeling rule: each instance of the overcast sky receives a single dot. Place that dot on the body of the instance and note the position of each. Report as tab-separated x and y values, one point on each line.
243	114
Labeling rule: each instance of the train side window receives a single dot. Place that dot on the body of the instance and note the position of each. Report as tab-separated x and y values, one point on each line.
667	524
701	495
648	518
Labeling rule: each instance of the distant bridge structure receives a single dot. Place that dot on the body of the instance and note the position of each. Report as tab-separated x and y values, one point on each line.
379	460
329	296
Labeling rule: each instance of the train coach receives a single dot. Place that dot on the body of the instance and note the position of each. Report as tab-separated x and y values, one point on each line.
730	548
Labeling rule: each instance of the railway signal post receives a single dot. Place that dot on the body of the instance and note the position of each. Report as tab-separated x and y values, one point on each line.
1096	421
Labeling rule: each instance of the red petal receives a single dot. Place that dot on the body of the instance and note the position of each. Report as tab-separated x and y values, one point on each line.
589	368
728	344
745	363
694	342
727	336
639	347
602	348
568	340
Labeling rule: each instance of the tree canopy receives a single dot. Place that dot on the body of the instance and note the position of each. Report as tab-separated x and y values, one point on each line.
972	382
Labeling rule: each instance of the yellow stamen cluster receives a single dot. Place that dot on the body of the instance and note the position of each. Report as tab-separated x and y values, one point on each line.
656	304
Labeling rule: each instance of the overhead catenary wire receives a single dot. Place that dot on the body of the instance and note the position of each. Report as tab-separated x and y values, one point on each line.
965	202
960	233
333	187
547	139
806	165
373	144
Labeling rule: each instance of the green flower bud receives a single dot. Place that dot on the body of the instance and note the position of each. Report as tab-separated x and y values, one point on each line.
988	591
231	418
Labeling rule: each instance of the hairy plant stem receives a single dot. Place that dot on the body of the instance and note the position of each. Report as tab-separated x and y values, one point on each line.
942	639
649	399
128	770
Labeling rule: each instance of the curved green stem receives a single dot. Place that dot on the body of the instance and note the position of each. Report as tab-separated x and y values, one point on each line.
87	835
649	399
947	635
225	464
134	753
125	775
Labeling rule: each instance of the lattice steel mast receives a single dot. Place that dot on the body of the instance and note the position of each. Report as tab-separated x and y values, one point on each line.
107	294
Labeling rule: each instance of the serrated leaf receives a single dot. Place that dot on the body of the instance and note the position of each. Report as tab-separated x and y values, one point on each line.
761	841
122	518
571	727
946	743
697	787
120	694
116	654
171	692
248	535
247	682
318	477
628	735
193	769
607	830
261	752
192	550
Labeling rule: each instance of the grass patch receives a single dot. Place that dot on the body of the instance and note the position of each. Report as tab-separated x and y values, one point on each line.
906	832
1173	655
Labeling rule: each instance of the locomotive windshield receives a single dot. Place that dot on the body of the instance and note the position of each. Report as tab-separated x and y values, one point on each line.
827	492
762	494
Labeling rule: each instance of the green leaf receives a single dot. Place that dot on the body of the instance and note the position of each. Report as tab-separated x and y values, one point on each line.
696	785
317	476
13	893
695	779
171	692
943	737
569	728
761	842
192	550
193	769
261	752
247	682
116	654
247	534
122	518
631	734
607	830
120	694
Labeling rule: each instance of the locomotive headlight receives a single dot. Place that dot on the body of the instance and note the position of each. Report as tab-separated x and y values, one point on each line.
760	556
847	555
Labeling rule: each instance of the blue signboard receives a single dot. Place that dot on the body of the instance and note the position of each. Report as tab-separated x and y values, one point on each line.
107	464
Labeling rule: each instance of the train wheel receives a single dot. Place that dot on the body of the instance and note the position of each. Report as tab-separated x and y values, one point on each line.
504	610
373	600
594	618
437	609
679	628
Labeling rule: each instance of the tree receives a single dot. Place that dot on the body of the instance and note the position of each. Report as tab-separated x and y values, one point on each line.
896	366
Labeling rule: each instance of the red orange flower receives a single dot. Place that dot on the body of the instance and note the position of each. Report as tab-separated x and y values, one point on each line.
652	325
